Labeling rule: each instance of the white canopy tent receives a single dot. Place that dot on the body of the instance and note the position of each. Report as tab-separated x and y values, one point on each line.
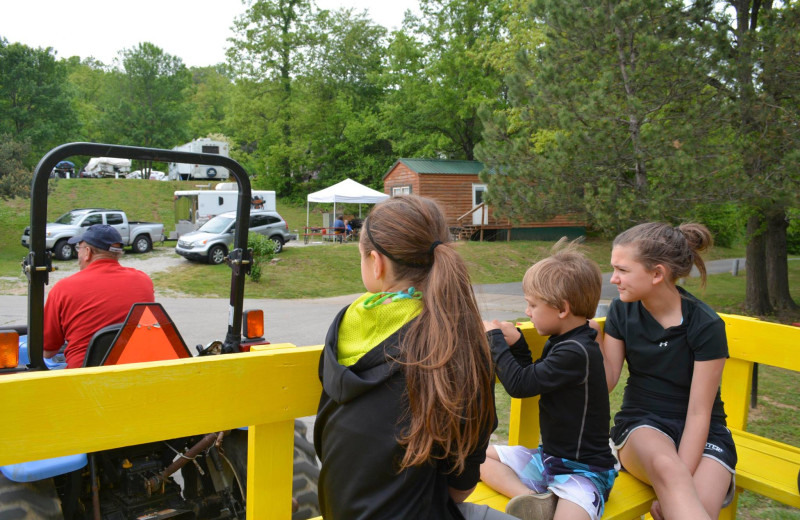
348	191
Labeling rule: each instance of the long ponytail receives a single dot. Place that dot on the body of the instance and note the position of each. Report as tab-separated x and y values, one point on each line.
445	354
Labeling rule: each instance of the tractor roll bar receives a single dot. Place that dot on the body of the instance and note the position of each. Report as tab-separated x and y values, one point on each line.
37	265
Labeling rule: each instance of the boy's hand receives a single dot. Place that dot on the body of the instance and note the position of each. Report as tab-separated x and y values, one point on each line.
509	330
596	326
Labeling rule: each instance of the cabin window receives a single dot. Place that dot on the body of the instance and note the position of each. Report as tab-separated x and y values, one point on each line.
401	190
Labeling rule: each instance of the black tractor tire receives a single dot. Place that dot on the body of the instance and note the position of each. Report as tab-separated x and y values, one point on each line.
29	501
305	476
217	254
142	244
63	250
278	243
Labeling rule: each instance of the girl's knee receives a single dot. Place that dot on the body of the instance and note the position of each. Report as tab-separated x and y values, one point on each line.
667	469
491	453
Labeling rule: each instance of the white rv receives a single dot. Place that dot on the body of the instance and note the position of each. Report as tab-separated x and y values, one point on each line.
193	208
184	172
107	167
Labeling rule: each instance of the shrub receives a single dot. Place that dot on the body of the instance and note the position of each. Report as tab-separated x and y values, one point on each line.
263	251
793	233
727	222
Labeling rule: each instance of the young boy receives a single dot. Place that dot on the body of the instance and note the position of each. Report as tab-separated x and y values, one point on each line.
570	475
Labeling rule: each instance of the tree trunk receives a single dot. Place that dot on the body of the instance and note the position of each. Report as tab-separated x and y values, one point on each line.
777	265
757	295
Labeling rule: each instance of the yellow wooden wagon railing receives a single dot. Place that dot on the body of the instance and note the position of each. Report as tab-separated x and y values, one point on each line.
79	411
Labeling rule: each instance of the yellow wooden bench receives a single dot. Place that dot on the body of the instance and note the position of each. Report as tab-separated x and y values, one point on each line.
49	414
766	467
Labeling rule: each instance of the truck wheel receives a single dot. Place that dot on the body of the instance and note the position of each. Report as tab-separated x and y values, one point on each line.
30	500
63	250
142	244
278	243
216	255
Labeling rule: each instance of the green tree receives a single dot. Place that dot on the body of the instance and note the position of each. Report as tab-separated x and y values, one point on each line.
760	73
148	99
267	52
210	100
34	98
15	178
438	82
340	98
88	80
611	117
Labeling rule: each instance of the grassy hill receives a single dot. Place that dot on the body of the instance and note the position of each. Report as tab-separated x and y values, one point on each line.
140	199
295	274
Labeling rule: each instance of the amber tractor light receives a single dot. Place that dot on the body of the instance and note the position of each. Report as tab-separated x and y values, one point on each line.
9	349
253	324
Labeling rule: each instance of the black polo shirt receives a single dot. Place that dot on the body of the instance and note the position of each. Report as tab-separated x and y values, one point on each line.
661	361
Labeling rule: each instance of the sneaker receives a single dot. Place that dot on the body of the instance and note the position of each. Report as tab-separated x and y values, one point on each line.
533	507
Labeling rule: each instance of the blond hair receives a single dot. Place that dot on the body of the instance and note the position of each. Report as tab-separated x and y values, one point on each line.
445	353
566	276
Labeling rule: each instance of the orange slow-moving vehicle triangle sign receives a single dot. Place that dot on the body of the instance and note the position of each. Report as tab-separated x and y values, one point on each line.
147	335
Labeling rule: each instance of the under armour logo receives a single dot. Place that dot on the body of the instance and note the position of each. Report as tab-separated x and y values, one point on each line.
663	344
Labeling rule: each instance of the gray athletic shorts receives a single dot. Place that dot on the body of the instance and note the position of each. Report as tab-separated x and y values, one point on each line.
719	445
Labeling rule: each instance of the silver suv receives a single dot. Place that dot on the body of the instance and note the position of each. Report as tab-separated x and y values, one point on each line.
214	238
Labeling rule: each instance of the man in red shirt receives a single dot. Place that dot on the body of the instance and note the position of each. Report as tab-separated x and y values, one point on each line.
98	295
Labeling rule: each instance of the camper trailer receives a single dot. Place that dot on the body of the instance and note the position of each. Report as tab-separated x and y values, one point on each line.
184	172
193	208
107	167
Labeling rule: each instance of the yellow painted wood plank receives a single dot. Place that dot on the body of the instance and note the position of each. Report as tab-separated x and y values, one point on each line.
269	470
630	498
48	414
763	342
767	467
482	492
737	381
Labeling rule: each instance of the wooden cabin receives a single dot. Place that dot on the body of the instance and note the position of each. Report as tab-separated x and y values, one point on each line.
456	187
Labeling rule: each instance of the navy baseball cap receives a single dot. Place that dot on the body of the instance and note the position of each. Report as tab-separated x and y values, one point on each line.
101	236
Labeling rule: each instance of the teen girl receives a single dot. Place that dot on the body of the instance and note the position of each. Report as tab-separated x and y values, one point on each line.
671	429
407	406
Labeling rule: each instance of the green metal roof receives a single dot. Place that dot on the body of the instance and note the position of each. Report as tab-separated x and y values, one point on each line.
442	166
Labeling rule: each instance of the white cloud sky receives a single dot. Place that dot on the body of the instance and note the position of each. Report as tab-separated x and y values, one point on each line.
195	31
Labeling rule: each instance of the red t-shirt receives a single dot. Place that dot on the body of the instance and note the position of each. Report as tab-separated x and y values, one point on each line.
85	302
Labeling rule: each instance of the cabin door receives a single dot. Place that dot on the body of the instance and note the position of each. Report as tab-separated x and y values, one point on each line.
481	216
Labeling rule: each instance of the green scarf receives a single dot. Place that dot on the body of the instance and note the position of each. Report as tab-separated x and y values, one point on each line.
362	329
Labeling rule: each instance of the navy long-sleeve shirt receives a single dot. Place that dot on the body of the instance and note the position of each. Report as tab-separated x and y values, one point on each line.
574	412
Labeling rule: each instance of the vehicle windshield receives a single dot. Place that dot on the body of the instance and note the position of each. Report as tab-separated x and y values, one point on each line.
71	218
217	225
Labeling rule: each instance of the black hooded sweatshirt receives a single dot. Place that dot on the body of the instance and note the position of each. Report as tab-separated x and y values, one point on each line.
360	417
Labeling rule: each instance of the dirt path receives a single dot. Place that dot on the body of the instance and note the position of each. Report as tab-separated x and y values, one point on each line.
160	259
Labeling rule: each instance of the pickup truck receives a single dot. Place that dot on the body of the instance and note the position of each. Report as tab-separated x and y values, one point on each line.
139	235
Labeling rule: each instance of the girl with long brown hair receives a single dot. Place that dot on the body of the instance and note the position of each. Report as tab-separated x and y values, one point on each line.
671	430
407	406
